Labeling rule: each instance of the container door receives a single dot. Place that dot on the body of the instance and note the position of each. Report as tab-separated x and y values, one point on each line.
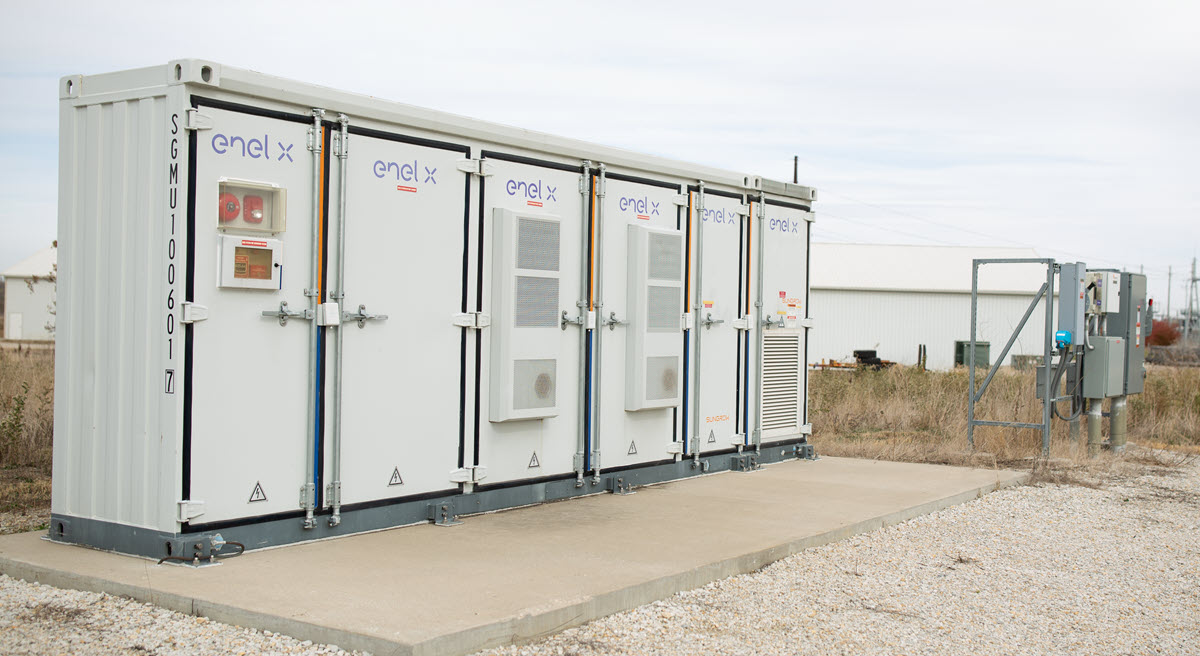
785	296
532	218
402	376
249	380
640	367
716	324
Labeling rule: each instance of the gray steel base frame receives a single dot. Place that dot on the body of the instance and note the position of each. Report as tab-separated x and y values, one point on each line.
268	532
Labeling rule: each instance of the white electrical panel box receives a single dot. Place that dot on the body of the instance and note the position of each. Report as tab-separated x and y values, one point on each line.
652	370
1105	296
254	207
526	320
250	262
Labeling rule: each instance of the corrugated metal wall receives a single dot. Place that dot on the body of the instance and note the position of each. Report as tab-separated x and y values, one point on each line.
112	458
895	323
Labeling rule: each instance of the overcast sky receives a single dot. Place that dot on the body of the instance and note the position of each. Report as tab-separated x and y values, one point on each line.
1071	127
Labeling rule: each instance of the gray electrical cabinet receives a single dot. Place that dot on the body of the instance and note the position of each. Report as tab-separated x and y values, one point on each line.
1103	369
1130	323
1072	277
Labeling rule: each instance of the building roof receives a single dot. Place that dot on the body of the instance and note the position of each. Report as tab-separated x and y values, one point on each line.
922	268
40	263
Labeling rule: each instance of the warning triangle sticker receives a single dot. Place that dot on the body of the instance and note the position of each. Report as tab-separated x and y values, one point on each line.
533	462
396	479
632	449
257	494
712	437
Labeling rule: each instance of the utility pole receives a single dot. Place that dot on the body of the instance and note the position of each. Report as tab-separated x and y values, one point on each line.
796	169
1168	294
1187	330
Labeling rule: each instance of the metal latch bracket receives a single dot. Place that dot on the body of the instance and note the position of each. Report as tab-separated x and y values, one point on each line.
197	121
479	167
189	509
190	312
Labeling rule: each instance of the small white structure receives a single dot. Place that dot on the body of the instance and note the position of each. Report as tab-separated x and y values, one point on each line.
29	297
893	298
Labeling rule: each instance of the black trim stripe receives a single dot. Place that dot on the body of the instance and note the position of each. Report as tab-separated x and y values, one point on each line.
531	161
403	138
645	181
188	334
794	206
718	192
479	263
197	101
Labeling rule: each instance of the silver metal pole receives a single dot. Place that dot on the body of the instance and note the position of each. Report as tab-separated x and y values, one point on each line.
599	312
697	309
758	343
308	491
1118	424
339	295
1048	393
971	357
585	187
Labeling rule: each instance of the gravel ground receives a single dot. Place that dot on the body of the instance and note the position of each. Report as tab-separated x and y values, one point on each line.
1111	566
39	619
1041	569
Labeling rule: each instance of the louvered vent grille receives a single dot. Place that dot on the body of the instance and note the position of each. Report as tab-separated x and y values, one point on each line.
537	245
663	309
537	302
534	383
781	382
666	254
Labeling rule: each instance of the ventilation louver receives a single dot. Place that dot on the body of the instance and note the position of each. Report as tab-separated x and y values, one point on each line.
526	307
781	383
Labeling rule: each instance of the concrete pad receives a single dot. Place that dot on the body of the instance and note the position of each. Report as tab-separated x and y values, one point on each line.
516	575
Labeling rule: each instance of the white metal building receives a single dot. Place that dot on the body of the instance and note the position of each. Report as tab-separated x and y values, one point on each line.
29	297
893	298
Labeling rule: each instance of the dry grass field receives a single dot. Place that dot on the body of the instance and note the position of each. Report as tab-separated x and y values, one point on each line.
903	413
26	436
894	414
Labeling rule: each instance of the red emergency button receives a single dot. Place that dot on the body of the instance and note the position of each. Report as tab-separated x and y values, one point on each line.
253	205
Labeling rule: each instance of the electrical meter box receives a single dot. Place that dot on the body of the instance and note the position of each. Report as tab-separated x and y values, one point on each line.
1103	368
250	262
1105	296
1072	281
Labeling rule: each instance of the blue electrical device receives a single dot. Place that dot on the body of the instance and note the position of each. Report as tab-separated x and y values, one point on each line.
1062	340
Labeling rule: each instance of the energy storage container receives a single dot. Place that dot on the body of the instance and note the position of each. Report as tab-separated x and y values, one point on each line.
289	313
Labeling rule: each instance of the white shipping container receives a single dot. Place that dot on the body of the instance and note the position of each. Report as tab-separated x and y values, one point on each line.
288	313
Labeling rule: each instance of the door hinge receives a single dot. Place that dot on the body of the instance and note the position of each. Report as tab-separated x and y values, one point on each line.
340	149
675	447
742	323
190	312
806	429
472	474
806	322
472	320
742	210
686	321
473	166
186	510
197	121
680	199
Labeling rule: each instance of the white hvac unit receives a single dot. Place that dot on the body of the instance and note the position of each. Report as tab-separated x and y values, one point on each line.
526	322
652	366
